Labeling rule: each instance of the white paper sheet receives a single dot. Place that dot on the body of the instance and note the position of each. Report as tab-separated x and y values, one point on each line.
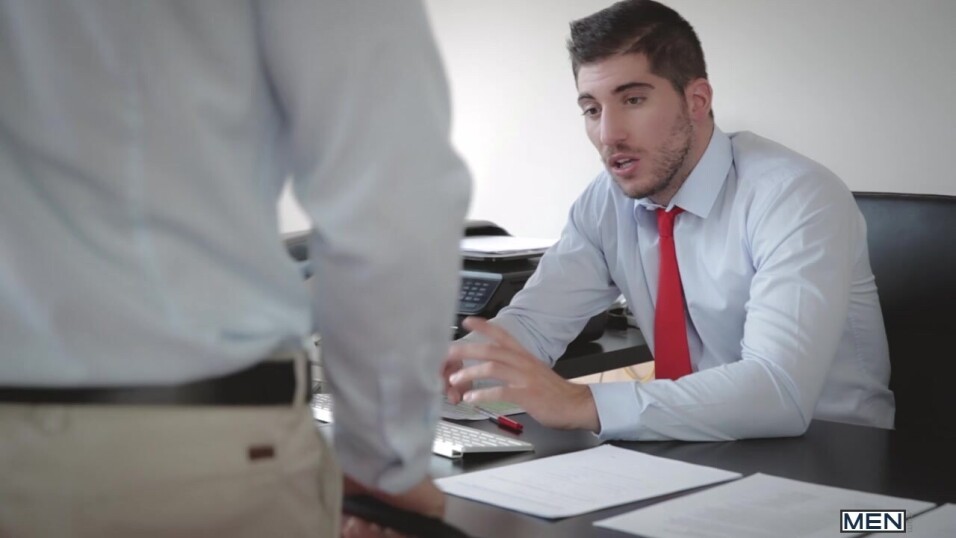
580	482
933	524
757	506
504	245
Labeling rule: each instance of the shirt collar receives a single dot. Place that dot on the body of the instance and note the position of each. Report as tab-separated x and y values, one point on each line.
698	194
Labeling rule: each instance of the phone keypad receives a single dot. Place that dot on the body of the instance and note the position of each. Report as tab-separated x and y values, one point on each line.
474	294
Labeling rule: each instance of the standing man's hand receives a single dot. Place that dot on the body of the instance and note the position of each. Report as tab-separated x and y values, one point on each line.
526	381
424	498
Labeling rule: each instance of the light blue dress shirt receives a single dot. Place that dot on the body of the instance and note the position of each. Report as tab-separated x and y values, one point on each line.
143	147
783	319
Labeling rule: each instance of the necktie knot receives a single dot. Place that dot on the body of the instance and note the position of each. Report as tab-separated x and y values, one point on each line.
665	221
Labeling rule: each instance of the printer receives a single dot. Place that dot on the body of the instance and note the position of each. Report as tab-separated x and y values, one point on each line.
487	283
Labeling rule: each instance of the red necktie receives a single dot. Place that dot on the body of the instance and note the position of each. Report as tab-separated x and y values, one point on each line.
671	356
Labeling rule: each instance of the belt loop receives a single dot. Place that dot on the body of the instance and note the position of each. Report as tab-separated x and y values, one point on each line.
303	387
301	369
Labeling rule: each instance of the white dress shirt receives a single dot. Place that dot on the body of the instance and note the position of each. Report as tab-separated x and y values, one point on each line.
783	319
143	146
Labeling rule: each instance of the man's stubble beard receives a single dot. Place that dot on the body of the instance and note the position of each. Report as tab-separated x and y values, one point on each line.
671	159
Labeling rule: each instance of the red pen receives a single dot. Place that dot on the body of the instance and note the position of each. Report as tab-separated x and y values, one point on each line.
501	420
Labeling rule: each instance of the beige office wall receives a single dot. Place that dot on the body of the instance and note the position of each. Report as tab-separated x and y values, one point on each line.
867	87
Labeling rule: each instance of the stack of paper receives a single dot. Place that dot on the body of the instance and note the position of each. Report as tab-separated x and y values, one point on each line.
503	246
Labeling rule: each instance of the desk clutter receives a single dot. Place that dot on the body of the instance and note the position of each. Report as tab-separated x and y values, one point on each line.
451	440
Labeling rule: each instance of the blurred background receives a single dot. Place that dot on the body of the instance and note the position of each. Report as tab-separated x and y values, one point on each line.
865	87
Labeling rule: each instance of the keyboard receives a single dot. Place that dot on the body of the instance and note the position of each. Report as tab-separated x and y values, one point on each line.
451	440
322	407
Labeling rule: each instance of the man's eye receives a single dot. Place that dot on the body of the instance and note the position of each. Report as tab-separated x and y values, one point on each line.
590	111
635	100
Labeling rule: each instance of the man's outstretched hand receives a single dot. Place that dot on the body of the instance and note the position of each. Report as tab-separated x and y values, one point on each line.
525	380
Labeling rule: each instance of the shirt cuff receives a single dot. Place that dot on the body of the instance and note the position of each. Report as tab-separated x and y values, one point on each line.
617	407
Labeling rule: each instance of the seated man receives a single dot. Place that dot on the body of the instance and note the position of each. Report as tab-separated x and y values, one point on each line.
745	265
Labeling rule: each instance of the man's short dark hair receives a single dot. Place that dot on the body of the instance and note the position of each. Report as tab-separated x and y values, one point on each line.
640	27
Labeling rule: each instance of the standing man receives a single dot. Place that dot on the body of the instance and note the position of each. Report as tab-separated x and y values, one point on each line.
744	263
152	378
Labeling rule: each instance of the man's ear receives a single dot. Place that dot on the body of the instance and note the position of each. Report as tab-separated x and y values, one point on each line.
699	97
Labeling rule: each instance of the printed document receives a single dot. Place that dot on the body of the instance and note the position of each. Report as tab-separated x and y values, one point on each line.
933	524
757	506
580	482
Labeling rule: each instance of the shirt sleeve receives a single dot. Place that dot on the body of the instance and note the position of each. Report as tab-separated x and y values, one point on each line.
367	117
802	235
571	284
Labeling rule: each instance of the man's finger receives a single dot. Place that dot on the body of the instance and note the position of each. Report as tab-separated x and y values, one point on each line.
486	370
449	367
453	395
354	527
493	394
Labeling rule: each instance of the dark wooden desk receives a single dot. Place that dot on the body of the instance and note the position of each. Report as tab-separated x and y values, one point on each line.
842	455
614	349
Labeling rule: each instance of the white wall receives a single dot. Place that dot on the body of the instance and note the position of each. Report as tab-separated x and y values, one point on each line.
867	87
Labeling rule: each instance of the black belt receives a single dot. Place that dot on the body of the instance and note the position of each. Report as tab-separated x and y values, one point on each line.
266	383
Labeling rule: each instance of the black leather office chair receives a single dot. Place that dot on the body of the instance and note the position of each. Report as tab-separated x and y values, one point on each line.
912	243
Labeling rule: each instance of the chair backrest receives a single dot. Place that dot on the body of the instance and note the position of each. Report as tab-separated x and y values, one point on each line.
912	244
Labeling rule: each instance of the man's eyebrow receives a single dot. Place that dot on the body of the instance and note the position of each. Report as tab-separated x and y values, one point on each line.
632	85
619	89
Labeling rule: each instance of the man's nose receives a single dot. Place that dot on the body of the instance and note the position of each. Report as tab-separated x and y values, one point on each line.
613	131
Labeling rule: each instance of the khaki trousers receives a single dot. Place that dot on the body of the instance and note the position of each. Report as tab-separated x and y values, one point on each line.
113	470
